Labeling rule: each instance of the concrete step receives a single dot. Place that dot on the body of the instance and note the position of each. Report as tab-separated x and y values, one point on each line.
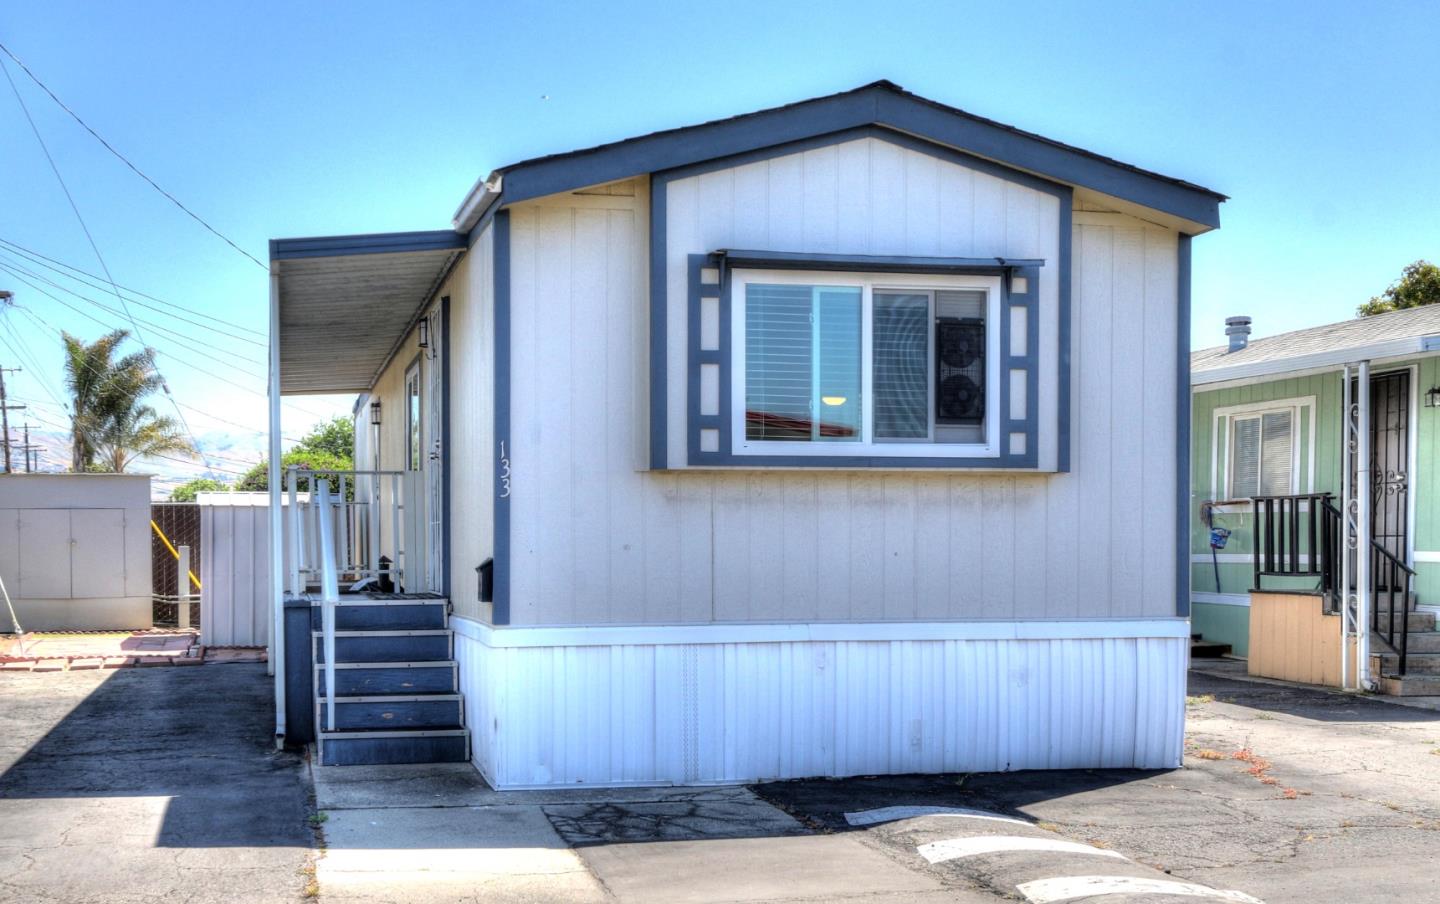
1419	621
355	679
1425	641
391	711
1411	686
1415	663
388	646
385	615
367	748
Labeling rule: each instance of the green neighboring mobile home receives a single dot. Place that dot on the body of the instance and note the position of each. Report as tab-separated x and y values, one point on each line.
1267	419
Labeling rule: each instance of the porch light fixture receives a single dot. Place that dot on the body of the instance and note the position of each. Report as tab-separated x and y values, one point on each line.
1432	398
424	332
375	412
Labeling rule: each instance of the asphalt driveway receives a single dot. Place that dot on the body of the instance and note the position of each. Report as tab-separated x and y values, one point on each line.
147	784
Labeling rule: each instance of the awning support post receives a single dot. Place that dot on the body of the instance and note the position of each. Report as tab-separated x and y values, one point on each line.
276	658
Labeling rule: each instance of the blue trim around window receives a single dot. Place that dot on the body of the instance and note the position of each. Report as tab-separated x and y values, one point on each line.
1182	429
659	343
698	357
500	270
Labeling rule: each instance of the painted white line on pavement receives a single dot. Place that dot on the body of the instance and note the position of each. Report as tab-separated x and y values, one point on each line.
1066	888
955	848
891	814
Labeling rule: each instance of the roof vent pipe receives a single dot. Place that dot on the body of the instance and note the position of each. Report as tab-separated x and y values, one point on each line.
1238	329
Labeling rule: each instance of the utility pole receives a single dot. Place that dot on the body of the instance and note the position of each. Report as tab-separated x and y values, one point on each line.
5	410
5	297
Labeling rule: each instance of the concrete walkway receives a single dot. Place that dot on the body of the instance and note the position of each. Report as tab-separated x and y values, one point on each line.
439	834
147	785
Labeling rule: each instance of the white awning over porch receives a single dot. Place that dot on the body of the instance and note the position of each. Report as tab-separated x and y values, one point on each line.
347	302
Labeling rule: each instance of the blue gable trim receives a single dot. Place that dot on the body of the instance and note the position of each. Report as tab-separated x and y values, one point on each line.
882	105
659	341
659	316
378	243
500	270
870	263
1067	235
1182	430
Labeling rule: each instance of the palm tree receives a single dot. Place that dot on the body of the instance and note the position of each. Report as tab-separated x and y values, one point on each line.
137	432
108	417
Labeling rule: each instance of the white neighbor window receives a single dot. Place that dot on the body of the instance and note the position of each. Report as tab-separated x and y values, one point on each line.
1262	454
865	364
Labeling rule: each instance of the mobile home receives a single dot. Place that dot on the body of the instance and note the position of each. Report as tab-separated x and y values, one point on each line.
844	437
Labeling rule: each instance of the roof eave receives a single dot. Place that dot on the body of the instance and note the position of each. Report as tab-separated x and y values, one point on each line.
1389	349
880	104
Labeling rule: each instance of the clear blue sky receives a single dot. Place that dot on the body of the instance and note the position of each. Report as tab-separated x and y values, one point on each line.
284	119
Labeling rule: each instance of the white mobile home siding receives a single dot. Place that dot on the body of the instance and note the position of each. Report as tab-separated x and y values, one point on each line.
597	541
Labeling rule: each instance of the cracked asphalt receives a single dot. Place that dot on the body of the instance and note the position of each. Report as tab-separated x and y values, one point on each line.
147	785
1292	795
157	785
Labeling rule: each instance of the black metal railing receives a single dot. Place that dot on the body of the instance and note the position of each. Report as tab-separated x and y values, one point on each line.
1391	579
1301	537
1298	537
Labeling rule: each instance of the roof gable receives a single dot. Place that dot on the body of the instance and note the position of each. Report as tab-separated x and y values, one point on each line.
877	104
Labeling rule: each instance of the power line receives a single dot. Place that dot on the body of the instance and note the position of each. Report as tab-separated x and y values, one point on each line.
16	261
104	268
20	273
60	267
122	158
176	358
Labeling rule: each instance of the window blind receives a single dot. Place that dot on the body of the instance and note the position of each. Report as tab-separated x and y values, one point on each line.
1262	455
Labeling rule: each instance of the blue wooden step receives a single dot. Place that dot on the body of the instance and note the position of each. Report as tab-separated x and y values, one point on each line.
355	679
385	615
386	712
357	748
388	646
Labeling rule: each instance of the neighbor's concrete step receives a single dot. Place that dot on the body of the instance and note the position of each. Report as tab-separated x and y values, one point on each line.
1415	663
1411	686
1425	641
1419	621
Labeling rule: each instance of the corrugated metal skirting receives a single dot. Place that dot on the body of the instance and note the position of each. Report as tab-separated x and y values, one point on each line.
741	712
235	575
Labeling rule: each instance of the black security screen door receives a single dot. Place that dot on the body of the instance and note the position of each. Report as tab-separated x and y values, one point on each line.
1390	460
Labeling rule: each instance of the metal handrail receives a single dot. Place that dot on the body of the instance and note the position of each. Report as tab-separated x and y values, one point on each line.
1282	538
1285	545
1395	570
357	559
329	595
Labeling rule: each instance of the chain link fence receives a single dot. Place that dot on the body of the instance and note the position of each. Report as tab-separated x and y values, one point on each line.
174	524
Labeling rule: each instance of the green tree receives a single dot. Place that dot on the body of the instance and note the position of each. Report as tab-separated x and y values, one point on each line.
329	447
186	491
110	424
1418	285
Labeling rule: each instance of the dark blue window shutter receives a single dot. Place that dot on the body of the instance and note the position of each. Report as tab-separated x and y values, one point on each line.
708	279
1019	437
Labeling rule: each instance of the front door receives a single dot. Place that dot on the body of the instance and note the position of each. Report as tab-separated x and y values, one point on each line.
435	459
1390	461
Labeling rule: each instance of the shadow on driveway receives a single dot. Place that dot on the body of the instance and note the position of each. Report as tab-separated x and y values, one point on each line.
159	782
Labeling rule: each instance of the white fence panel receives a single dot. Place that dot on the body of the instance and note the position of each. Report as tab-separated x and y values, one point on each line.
235	575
